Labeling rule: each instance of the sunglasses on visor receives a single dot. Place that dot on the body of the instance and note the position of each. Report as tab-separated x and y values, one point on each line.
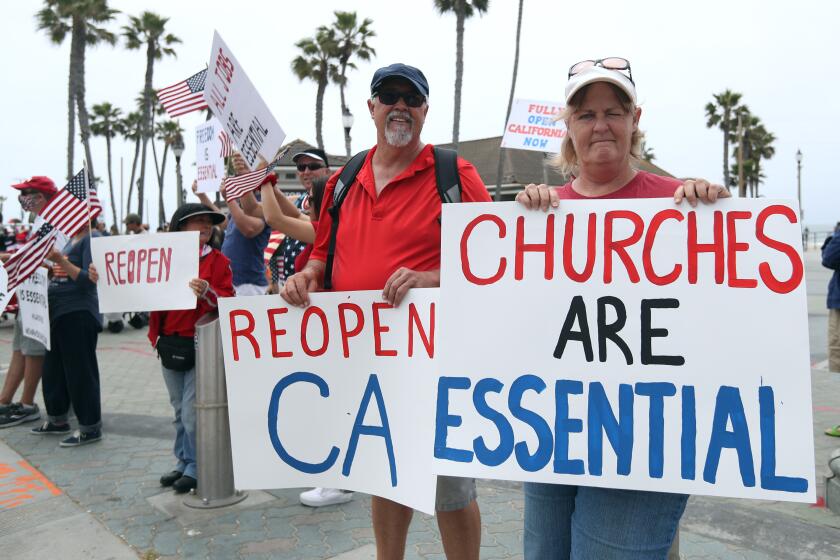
611	63
411	99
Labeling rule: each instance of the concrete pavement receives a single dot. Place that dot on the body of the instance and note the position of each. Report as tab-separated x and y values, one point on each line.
104	501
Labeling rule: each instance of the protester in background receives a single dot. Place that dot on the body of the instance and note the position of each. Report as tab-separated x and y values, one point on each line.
100	227
171	333
28	354
831	259
245	239
311	163
600	149
395	252
134	225
71	371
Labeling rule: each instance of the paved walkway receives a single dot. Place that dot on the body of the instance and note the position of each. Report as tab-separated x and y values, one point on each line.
104	501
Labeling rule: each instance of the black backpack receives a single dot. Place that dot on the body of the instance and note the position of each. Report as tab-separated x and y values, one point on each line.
447	178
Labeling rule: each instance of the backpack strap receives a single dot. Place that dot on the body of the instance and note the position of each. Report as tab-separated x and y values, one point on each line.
345	180
447	179
446	175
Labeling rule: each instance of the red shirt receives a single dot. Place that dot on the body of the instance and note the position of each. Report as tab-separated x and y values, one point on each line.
400	227
643	185
213	267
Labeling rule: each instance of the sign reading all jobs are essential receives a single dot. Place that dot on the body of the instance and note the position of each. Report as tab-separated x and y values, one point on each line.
146	272
237	104
626	344
534	125
340	394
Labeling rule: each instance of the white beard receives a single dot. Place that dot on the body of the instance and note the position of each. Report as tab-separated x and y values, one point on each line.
398	138
402	136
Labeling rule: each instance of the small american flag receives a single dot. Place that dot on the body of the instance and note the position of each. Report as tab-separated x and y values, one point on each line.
184	97
227	145
28	258
73	207
238	186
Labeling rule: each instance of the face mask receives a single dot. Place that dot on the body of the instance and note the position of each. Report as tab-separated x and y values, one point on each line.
28	202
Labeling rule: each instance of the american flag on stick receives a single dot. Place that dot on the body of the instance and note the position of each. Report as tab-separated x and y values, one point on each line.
28	258
184	97
238	186
73	207
226	144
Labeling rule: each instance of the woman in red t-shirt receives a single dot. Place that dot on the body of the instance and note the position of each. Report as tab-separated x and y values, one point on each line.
600	149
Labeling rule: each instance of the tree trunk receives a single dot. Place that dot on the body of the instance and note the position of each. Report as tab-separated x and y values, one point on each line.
147	125
71	111
459	68
726	125
500	168
344	109
81	108
319	111
133	168
110	174
159	173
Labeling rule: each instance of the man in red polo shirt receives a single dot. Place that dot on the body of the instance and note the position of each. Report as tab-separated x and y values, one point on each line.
389	239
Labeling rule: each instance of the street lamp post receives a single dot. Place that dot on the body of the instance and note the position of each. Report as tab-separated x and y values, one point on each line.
178	150
347	121
799	184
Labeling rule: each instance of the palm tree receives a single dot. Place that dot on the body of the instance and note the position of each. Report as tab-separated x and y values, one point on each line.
462	9
131	128
351	41
720	114
500	168
82	19
316	63
758	145
106	122
148	29
167	131
647	152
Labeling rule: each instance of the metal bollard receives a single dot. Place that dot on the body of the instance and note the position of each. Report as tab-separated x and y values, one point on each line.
213	453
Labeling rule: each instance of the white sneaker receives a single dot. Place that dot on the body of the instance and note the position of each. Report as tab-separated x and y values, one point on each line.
318	497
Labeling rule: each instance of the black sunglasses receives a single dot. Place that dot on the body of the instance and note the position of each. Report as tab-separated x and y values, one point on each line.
312	166
413	100
611	63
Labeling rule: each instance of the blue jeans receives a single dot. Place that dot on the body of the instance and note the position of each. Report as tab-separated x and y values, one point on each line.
586	523
181	387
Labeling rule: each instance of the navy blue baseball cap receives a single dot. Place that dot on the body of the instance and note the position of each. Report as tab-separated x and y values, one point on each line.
399	70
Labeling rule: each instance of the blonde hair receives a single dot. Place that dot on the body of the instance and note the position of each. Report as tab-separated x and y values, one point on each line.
567	161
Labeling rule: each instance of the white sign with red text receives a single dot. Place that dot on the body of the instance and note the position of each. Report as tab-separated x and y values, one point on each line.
237	104
146	272
533	125
630	344
337	395
209	161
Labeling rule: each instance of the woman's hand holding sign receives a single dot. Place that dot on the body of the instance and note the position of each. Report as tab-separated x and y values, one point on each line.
542	197
199	286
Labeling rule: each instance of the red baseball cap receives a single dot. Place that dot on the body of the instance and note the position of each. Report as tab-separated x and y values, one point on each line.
43	185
